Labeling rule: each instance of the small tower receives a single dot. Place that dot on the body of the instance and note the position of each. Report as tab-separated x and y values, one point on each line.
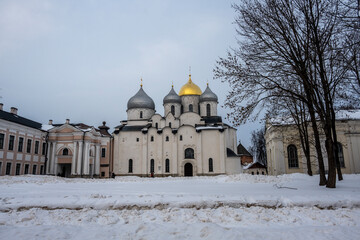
208	103
140	106
172	103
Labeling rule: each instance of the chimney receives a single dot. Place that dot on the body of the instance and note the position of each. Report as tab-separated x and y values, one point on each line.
1	106
67	121
13	110
50	122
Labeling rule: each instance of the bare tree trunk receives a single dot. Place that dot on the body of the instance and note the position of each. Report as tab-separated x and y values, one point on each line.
336	148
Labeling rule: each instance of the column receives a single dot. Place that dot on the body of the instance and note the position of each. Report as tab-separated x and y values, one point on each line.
73	162
80	158
97	160
47	170
53	162
86	158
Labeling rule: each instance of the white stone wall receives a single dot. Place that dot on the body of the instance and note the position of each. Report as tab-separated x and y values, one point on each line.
213	108
134	113
167	109
190	99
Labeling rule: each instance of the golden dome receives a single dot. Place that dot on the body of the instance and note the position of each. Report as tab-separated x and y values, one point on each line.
190	88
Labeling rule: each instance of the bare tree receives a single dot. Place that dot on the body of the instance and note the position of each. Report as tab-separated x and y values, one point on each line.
284	44
258	146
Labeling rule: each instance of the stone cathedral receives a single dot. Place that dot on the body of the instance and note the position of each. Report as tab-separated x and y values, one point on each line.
189	140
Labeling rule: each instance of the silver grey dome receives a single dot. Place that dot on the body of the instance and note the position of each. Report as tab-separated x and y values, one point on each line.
208	95
172	97
141	100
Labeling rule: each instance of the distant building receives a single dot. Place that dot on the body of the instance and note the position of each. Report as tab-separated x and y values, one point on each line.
245	156
22	144
78	150
284	151
255	168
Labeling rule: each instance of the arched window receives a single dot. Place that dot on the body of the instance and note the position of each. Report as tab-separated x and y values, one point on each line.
180	137
169	124
156	125
141	114
173	110
189	153
208	111
211	165
152	138
191	108
182	109
130	165
65	152
167	165
167	138
341	155
292	156
152	165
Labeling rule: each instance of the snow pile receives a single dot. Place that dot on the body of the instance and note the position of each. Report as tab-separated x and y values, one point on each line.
226	207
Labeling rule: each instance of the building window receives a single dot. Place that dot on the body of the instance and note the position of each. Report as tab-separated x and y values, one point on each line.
37	147
341	155
26	169
28	147
167	165
180	137
43	148
103	152
141	114
182	109
2	137
152	138
167	138
208	110
21	144
169	124
137	139
42	169
8	168
130	165
292	156
156	125
189	153
18	168
0	167
211	165
103	174
173	110
152	165
34	169
66	152
191	108
11	143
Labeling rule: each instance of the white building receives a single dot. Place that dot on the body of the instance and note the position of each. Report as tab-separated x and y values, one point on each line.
189	140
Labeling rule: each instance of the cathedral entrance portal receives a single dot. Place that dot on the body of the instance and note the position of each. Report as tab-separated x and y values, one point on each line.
188	170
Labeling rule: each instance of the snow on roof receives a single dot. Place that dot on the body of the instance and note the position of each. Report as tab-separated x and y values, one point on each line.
340	115
46	127
209	127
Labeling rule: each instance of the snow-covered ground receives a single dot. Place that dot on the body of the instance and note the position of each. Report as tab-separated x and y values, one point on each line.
223	207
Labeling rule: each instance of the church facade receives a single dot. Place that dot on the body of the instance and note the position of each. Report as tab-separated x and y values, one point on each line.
189	140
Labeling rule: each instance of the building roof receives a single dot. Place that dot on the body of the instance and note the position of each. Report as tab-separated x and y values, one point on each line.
242	150
230	153
172	97
19	120
190	88
208	95
254	165
141	100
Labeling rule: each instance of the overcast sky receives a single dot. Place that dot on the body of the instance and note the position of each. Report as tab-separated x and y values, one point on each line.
83	60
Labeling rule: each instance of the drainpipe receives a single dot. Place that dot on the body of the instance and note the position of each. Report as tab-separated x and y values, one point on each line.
82	155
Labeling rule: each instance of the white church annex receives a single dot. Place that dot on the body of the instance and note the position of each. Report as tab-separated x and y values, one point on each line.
189	140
